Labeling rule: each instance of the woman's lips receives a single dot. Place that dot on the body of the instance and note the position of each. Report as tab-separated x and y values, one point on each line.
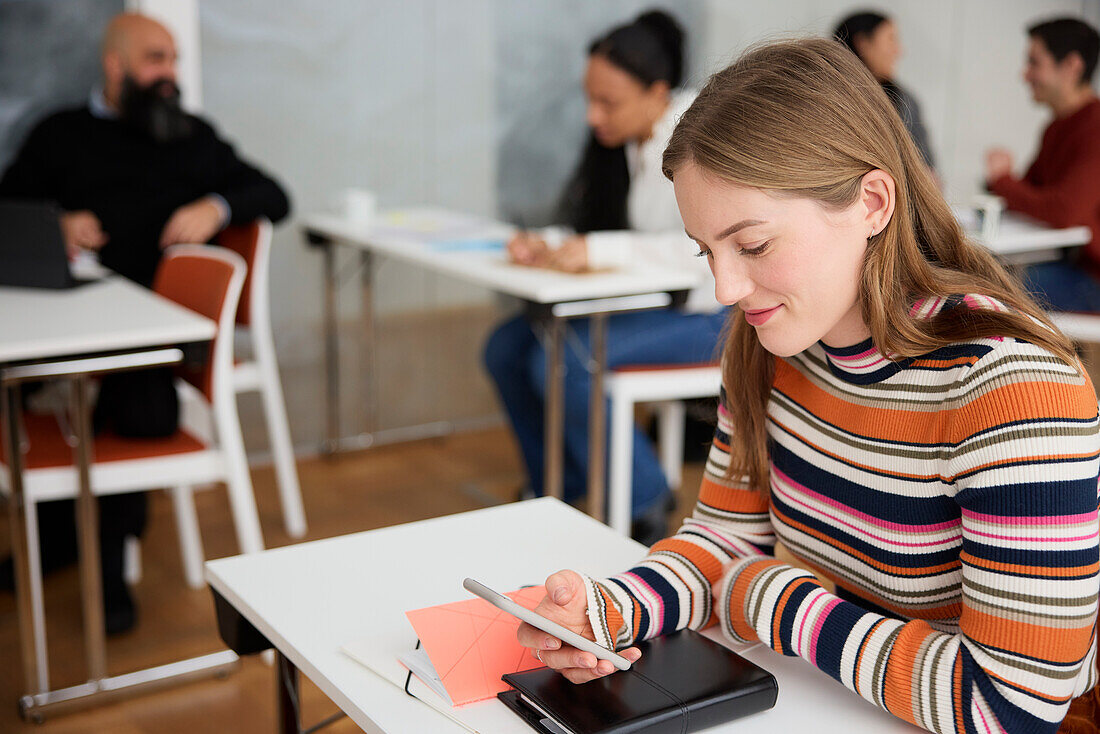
757	318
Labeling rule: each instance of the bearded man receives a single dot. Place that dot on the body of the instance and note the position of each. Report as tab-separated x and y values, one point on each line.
133	173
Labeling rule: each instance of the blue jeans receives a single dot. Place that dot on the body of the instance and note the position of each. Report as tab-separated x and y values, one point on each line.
1062	286
517	363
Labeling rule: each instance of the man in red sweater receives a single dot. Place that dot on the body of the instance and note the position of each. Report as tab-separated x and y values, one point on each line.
1062	185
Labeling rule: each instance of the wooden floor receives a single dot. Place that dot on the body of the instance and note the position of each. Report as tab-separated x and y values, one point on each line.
354	492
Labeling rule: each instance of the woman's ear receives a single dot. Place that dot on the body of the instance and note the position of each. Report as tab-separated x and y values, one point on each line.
877	194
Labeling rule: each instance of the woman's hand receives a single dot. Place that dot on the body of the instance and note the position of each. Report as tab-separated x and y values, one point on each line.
527	248
566	603
572	256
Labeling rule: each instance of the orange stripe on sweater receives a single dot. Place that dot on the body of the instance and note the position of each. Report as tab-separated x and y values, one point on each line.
732	499
984	411
1046	643
1041	571
612	616
738	594
945	362
708	565
900	667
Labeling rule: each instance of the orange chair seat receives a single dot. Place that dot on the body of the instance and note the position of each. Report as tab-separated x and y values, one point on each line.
48	448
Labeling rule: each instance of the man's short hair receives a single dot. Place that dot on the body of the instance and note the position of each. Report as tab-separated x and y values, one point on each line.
1063	36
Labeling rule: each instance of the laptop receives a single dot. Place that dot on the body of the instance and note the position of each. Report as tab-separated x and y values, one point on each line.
32	249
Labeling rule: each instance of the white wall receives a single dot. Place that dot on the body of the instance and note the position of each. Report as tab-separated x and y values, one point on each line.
404	97
963	62
396	97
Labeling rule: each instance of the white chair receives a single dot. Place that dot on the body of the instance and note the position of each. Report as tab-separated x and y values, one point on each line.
253	243
207	280
669	386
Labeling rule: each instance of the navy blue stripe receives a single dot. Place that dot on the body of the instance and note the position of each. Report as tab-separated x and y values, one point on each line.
790	612
668	595
834	633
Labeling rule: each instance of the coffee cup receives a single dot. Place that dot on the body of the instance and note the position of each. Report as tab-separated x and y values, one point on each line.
359	206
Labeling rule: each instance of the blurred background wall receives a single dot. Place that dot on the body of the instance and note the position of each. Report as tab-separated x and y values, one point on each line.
474	105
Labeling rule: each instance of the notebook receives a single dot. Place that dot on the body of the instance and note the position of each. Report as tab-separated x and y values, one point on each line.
683	683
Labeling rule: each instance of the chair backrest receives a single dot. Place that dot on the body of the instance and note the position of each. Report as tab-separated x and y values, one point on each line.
252	242
207	280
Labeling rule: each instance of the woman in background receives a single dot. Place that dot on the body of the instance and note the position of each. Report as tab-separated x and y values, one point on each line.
874	39
623	211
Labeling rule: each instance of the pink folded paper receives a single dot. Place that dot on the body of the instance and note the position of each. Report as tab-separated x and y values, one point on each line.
472	644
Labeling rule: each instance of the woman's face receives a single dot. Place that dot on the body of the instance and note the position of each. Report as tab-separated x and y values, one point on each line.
621	108
880	50
789	264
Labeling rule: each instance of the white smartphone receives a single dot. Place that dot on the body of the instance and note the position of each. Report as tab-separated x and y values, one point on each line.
500	601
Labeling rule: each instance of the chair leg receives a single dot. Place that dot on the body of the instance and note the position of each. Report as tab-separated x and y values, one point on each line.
620	471
242	499
187	525
671	433
38	604
131	561
286	473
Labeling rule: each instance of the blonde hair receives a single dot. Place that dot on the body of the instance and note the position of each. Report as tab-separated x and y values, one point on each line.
805	118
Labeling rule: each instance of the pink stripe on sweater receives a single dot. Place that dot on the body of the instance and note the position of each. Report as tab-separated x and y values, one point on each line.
862	532
818	624
1029	539
885	525
1084	517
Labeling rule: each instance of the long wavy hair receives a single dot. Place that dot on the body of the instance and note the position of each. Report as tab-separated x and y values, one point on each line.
804	118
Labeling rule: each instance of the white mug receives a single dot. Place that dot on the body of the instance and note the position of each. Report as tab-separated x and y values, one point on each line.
359	206
989	208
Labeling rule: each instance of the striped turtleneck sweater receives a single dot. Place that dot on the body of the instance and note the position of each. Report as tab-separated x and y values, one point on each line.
952	500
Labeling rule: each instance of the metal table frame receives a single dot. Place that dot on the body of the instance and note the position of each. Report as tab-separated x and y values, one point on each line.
549	318
100	688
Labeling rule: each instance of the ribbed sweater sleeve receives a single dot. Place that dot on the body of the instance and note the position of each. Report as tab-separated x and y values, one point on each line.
1015	446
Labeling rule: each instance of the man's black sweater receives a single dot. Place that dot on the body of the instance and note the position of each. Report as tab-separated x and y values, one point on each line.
133	184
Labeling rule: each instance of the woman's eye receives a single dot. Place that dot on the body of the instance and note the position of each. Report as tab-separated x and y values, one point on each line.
752	251
703	253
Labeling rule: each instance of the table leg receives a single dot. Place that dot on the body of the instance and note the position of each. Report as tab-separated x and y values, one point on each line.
370	397
332	354
597	419
554	424
35	673
286	692
91	582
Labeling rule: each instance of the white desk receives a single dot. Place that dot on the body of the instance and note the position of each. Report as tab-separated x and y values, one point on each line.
97	327
419	237
113	314
310	599
1021	239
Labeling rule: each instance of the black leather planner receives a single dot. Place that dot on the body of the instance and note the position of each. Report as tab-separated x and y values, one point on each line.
683	683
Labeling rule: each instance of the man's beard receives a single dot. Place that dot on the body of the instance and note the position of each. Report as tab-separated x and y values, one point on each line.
155	110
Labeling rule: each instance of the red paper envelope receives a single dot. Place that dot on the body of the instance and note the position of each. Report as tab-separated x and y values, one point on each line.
472	643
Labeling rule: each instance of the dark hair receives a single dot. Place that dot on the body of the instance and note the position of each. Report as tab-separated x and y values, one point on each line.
1063	36
858	24
650	49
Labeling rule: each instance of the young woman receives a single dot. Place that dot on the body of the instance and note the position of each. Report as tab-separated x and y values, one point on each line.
874	39
625	211
897	412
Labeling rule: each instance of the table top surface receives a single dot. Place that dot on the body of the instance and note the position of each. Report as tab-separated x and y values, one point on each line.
470	248
311	599
112	314
1018	234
